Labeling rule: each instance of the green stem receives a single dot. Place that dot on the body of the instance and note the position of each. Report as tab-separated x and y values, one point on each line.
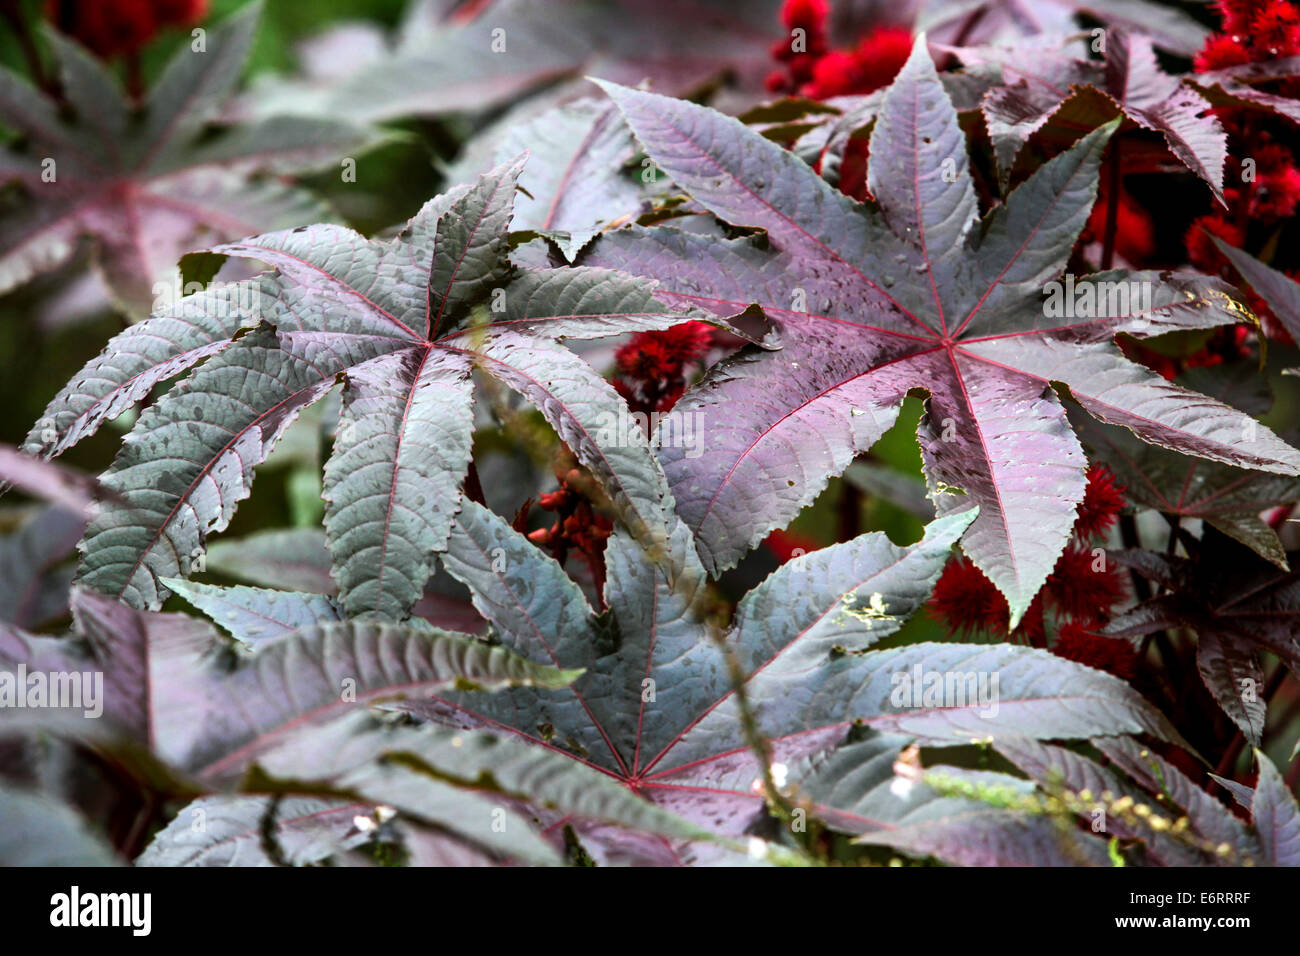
850	512
780	804
12	12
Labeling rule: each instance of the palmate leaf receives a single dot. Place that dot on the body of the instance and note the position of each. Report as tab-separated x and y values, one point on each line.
1028	81
1039	80
148	353
1207	816
856	789
466	779
1237	604
1170	28
579	179
655	708
1280	291
1233	674
1276	816
149	186
57	484
296	559
505	49
403	323
824	145
255	615
980	818
169	683
1228	498
1239	87
1273	810
171	687
982	837
1055	768
227	831
917	294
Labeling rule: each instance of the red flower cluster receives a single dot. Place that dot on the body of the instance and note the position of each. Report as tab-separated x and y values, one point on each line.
814	70
1269	190
578	528
965	601
784	545
1074	642
801	52
1220	52
1202	251
1103	500
872	64
1276	191
1262	180
1252	32
652	365
1080	592
1084	586
116	27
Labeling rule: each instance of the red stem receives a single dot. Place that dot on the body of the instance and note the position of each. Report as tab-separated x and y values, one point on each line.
473	488
963	34
1280	516
134	76
1114	182
850	512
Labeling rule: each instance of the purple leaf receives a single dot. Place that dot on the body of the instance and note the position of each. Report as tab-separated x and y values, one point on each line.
1232	673
655	708
1171	29
402	323
1231	499
1276	816
33	588
1237	604
1280	291
916	296
507	49
152	187
227	831
1208	817
1038	82
56	484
